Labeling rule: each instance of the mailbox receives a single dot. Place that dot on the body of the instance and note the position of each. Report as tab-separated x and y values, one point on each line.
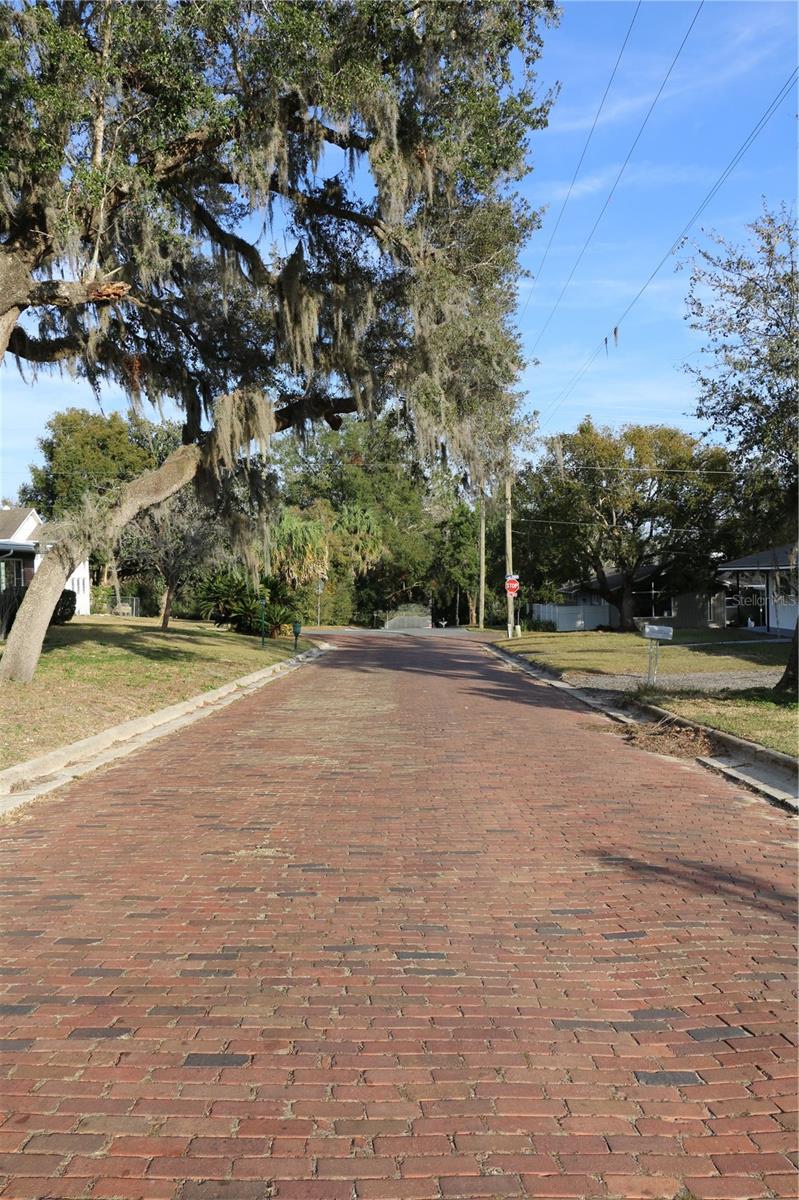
655	634
659	633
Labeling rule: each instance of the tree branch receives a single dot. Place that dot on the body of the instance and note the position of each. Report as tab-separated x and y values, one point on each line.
259	275
340	212
73	293
198	141
314	408
183	169
43	350
296	123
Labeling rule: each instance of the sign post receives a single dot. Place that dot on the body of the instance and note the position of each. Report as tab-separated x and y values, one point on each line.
509	553
655	634
511	591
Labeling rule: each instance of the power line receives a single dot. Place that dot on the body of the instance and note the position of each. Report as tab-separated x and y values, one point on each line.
605	528
622	169
725	174
656	470
582	156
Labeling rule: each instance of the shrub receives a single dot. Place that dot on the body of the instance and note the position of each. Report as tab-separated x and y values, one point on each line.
65	609
219	596
187	602
534	625
11	598
103	598
278	619
150	591
229	598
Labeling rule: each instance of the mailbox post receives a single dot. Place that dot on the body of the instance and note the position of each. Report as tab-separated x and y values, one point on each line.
655	634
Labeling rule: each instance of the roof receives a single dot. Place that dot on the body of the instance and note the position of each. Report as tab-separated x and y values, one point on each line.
614	579
12	520
778	558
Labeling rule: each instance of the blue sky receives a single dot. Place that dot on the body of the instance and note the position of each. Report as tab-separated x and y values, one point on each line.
737	55
733	63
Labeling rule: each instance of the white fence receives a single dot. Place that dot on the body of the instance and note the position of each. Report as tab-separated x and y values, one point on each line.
570	617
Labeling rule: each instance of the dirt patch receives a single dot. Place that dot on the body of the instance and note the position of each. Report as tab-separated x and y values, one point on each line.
666	737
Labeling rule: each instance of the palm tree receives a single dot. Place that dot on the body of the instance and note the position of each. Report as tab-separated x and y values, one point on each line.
300	550
361	537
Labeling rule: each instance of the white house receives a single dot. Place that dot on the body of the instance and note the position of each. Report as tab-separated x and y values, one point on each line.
762	589
21	531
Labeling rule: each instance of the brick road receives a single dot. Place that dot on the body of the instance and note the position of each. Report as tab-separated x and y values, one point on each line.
402	925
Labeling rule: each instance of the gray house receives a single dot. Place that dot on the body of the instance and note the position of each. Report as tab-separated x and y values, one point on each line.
762	589
652	599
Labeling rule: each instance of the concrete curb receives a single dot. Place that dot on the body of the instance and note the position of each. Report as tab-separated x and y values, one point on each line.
738	745
749	752
39	776
520	664
733	772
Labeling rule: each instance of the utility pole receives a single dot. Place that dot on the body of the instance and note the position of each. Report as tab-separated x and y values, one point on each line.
320	587
481	612
509	553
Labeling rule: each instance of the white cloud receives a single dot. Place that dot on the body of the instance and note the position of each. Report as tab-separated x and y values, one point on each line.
639	175
743	45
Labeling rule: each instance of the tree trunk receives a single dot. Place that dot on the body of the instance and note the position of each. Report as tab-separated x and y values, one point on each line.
115	579
16	280
169	596
626	607
7	322
24	643
472	604
789	683
25	640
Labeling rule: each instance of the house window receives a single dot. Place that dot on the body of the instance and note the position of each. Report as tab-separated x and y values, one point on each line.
15	573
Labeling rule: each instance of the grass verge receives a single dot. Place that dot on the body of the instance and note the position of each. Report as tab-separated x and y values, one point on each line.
756	714
98	671
692	651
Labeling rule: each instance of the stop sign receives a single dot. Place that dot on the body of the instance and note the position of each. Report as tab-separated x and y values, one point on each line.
512	585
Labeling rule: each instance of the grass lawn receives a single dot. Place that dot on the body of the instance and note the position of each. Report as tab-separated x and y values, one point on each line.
626	653
99	671
753	714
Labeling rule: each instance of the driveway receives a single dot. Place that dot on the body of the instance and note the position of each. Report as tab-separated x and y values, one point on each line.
403	924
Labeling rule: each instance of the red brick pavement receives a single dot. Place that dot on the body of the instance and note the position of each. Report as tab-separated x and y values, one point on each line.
402	925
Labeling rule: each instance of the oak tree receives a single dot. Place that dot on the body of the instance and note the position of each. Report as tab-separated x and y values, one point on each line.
271	214
610	503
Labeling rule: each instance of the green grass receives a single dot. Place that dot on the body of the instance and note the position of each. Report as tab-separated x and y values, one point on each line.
98	671
626	653
755	714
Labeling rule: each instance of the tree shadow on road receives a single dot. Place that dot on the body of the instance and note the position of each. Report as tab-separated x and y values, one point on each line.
703	878
491	678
